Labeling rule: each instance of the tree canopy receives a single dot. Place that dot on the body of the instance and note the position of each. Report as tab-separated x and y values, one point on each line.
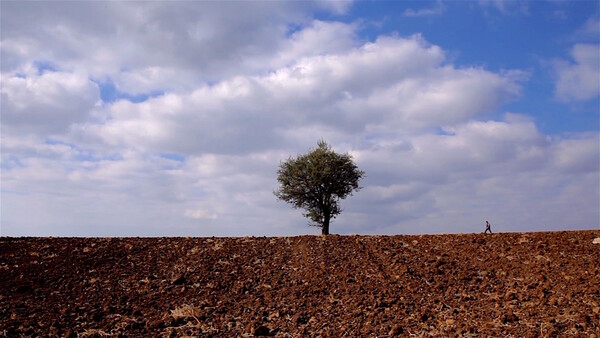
317	181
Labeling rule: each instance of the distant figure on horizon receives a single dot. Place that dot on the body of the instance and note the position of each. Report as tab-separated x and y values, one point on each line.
488	227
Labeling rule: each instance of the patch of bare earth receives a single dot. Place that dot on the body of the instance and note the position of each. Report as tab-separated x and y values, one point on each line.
520	284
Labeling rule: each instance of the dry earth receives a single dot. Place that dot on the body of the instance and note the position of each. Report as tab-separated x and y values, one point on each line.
512	284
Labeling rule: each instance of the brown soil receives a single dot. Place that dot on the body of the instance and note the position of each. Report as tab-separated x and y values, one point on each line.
519	284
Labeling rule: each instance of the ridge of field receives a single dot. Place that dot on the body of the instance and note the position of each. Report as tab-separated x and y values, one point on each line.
522	284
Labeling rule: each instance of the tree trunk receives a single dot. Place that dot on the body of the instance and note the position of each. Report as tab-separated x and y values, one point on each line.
325	229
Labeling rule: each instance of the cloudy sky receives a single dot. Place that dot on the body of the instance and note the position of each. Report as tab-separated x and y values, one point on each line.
170	119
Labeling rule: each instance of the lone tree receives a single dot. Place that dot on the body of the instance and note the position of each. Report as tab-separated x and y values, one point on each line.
316	182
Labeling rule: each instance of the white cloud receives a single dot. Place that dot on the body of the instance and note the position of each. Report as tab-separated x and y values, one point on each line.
578	155
506	7
579	80
164	46
337	7
49	102
589	30
506	171
389	85
318	38
200	214
147	80
425	12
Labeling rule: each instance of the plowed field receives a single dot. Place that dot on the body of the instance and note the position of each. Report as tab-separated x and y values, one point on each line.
518	284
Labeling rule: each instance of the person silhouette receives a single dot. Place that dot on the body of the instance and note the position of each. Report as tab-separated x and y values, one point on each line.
488	227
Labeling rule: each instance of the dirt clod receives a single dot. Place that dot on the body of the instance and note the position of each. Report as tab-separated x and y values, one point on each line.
261	331
396	330
510	318
180	280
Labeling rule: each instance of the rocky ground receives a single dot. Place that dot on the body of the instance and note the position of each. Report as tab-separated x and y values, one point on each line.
513	284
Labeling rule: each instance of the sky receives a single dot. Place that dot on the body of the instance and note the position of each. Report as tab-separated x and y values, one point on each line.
171	118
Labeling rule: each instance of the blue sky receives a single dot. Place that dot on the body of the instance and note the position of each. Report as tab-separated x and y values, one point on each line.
528	36
154	119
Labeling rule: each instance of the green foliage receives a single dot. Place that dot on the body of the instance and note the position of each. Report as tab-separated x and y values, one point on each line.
317	181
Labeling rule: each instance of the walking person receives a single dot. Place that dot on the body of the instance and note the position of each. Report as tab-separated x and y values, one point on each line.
488	227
